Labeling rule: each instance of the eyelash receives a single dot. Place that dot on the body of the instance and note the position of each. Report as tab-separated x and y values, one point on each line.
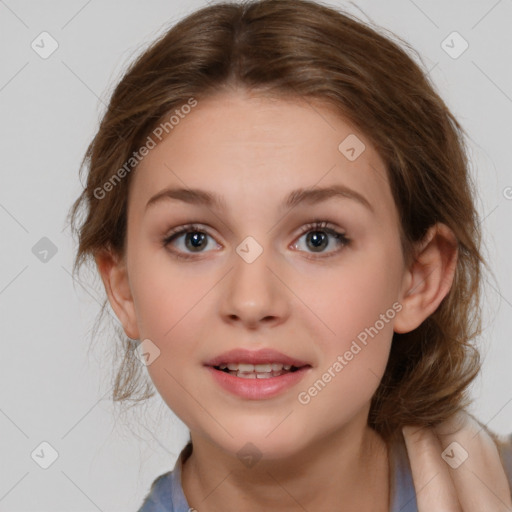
315	226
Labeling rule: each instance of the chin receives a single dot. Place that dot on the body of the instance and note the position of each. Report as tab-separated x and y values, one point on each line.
269	438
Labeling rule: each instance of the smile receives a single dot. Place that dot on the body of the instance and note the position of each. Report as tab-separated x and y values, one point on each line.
256	371
256	374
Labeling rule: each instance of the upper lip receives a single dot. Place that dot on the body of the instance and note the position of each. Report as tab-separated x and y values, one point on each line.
262	356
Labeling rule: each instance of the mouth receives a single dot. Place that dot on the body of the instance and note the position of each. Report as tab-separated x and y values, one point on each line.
265	363
258	371
259	375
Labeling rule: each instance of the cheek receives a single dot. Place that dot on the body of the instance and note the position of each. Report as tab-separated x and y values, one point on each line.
354	298
165	296
359	307
177	373
168	307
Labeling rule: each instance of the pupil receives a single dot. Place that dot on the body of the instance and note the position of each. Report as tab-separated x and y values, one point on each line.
195	238
318	238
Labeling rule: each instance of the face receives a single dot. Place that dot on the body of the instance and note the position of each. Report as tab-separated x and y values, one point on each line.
256	272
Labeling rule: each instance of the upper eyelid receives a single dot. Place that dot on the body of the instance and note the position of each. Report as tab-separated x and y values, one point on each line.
305	228
316	224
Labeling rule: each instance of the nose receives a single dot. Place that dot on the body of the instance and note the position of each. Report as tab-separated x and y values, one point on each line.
254	294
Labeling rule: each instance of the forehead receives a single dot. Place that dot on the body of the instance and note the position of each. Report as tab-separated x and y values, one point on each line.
253	149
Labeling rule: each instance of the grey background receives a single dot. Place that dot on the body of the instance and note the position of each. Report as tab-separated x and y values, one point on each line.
52	389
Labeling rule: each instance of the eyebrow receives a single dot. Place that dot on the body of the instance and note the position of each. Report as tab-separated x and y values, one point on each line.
308	196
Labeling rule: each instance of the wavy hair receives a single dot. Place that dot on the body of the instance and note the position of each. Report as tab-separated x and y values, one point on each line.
303	49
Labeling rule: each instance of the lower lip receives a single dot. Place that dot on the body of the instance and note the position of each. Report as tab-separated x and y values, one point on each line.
258	389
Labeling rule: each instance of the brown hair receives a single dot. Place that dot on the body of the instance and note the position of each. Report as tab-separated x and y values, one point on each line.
303	49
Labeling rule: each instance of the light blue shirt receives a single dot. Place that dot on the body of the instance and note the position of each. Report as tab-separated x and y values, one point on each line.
166	493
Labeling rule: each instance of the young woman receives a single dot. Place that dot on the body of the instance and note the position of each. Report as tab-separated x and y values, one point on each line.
279	205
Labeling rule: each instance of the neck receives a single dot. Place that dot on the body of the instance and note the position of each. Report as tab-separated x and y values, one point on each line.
348	469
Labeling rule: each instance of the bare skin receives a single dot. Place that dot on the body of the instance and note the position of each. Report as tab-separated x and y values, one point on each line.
273	484
474	481
308	304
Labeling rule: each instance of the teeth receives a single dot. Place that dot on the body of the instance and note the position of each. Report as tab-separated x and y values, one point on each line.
265	375
254	375
261	368
255	371
247	375
267	368
245	368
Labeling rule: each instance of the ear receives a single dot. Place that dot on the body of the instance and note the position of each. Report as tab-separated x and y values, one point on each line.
428	279
114	275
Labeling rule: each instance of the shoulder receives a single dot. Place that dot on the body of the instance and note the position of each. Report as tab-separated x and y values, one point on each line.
488	449
504	445
159	498
491	455
166	493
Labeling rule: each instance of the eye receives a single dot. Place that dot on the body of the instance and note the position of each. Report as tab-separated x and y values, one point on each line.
196	239
317	238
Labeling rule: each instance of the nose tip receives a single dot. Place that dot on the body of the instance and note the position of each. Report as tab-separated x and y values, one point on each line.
254	296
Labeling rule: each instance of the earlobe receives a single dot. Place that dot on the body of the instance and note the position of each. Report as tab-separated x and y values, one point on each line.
428	279
114	275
